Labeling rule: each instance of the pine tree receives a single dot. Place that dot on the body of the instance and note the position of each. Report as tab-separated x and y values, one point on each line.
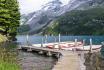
9	17
3	14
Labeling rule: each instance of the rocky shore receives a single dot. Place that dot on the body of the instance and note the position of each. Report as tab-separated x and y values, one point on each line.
94	61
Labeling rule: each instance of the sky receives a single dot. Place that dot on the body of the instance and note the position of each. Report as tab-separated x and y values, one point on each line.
28	6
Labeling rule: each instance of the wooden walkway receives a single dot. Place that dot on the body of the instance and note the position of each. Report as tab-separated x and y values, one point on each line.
69	61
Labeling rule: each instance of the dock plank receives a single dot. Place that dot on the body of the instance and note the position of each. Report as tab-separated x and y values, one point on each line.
69	61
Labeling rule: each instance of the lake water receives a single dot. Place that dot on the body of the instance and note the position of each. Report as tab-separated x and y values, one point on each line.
38	39
33	61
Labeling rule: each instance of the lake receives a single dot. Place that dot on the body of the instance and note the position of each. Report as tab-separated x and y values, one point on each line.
33	61
33	39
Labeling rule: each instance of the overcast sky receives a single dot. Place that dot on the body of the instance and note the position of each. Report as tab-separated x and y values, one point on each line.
28	6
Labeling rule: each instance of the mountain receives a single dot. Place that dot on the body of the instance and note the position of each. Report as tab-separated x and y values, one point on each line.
78	22
39	20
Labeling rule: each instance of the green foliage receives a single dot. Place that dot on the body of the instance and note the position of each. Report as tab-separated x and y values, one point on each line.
8	66
1	29
52	30
9	16
8	57
2	38
81	22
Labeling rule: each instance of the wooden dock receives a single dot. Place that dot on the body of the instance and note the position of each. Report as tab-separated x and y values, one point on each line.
68	60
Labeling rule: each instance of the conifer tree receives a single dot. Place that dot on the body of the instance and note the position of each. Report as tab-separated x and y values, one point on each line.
9	17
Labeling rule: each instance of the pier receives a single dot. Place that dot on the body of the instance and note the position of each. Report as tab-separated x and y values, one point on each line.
67	60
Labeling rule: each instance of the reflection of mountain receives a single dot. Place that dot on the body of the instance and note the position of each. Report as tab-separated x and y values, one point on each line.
39	20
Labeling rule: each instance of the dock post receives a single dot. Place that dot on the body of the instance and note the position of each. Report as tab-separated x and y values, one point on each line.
58	55
83	43
55	39
46	38
29	50
75	42
59	38
42	42
27	38
90	45
49	53
40	52
59	42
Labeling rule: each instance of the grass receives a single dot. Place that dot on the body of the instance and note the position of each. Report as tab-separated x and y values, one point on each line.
8	55
8	66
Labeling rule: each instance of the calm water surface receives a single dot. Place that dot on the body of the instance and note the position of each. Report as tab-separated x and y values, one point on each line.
33	61
38	39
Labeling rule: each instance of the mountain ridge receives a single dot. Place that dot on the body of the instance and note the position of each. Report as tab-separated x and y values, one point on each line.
41	18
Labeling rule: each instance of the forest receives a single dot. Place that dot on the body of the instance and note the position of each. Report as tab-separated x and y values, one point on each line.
79	22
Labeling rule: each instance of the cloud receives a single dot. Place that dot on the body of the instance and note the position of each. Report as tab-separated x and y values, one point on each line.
27	6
